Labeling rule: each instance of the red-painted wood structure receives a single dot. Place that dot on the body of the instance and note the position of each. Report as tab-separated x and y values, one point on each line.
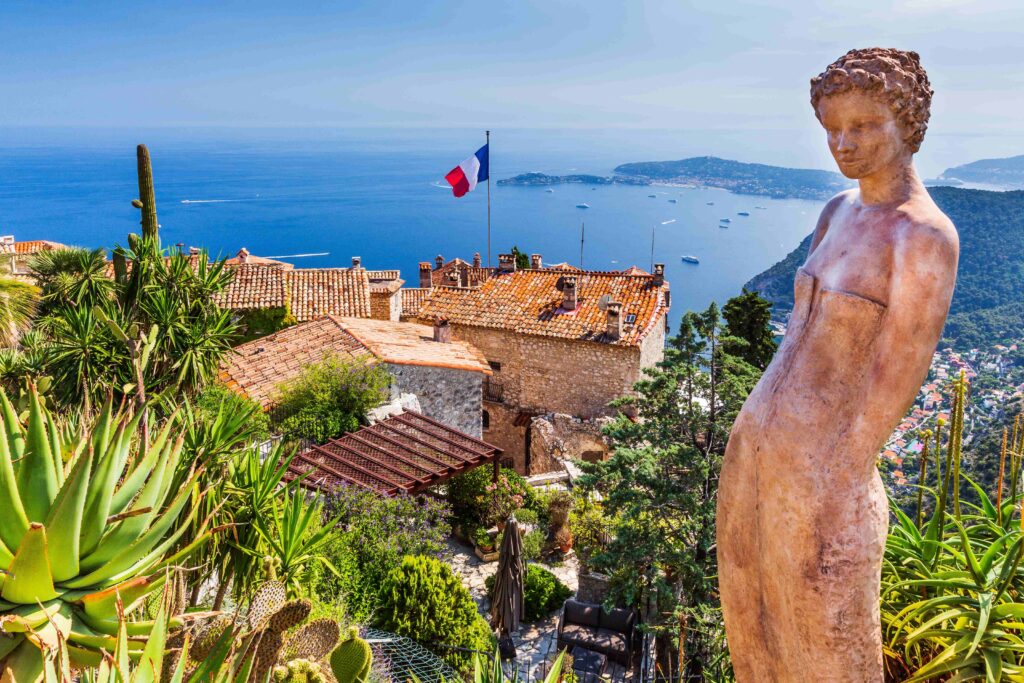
404	453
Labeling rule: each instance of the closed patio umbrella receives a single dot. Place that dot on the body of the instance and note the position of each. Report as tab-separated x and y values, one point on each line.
507	603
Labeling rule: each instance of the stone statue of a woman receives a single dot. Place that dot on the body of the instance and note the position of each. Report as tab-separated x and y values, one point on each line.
802	515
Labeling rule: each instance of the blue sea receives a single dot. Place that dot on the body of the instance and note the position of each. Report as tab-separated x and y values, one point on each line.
380	194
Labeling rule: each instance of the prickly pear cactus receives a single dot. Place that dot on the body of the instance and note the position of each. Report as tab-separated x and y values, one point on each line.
351	660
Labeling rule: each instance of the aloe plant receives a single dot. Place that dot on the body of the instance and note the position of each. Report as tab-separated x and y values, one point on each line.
89	523
952	583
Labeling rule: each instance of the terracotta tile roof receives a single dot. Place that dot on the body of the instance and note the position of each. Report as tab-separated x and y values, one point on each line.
34	246
244	257
315	292
467	274
309	293
256	369
412	299
412	344
634	270
529	302
376	275
405	453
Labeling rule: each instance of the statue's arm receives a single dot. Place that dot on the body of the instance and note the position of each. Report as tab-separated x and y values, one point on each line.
922	279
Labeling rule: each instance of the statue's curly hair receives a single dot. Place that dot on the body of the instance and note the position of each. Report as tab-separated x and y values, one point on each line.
894	76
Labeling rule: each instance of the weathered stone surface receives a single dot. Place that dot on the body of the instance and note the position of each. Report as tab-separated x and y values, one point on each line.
557	436
802	515
453	397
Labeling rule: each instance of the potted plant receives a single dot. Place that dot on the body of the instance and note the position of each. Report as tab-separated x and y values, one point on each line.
502	500
482	539
563	539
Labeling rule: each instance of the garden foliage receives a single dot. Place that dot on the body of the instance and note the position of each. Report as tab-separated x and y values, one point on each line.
424	600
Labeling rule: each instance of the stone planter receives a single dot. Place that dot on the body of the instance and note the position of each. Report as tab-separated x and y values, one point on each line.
486	556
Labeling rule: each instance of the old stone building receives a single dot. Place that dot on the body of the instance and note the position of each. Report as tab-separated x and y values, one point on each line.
445	375
559	342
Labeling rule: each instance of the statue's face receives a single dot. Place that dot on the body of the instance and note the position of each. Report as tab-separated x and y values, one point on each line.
863	134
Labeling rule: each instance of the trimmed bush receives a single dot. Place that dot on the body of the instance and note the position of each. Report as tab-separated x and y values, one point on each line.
533	544
543	593
422	599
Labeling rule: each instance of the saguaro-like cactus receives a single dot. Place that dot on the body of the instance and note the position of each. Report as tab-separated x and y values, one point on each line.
147	200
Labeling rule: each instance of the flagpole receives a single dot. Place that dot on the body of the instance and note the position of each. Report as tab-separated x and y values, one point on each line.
488	134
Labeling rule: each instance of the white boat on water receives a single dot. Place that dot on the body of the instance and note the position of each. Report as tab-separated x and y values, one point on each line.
761	207
584	205
653	196
549	190
722	225
690	259
725	220
743	213
711	203
672	201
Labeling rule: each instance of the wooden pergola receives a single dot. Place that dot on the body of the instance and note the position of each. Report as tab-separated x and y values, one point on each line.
404	453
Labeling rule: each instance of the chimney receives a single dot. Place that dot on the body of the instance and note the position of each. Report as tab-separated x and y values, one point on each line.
442	331
535	262
569	293
476	260
193	251
438	262
659	274
506	263
614	329
357	261
242	255
425	281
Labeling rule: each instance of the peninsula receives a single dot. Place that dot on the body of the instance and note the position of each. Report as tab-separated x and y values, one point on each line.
1006	173
736	176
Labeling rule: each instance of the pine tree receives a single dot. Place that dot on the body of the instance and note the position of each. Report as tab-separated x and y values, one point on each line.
747	319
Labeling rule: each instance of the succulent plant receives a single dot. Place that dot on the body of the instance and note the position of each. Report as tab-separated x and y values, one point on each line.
147	198
86	527
352	659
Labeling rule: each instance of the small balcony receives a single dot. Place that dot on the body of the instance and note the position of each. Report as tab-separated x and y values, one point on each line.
493	391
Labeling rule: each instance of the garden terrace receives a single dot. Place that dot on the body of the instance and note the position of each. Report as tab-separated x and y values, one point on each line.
405	453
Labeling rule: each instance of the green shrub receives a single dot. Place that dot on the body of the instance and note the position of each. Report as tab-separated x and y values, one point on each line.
543	593
260	322
527	516
213	395
330	398
370	539
422	599
533	544
591	530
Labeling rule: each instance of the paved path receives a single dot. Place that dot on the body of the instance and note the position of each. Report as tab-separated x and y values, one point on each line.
535	643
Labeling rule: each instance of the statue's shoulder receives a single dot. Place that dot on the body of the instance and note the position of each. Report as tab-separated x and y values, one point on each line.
831	207
925	229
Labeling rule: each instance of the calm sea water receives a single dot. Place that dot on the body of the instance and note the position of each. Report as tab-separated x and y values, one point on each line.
378	194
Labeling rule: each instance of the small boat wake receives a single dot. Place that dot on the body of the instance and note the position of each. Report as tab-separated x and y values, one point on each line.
667	222
216	201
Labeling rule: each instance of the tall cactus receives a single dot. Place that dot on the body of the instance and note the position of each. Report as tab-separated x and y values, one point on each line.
147	200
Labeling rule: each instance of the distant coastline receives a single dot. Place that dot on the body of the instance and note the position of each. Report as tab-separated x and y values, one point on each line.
739	177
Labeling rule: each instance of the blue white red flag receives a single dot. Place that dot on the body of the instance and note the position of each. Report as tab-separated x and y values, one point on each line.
464	177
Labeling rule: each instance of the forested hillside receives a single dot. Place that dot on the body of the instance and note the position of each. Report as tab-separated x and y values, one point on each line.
988	305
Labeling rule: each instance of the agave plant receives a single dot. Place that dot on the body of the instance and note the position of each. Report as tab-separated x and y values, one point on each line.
952	583
88	522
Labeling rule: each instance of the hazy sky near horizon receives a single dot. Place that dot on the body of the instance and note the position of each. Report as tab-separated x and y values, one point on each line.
532	63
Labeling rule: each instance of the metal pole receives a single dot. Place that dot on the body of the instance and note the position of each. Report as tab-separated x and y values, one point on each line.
488	134
583	232
652	248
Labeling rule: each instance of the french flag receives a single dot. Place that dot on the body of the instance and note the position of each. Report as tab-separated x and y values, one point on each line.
466	175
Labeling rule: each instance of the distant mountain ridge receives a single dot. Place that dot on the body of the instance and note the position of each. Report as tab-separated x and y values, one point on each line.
758	179
988	307
1005	172
737	176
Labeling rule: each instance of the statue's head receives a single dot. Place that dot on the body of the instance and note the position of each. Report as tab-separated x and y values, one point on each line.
874	104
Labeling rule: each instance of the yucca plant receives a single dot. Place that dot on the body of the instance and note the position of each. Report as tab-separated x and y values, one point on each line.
952	583
86	522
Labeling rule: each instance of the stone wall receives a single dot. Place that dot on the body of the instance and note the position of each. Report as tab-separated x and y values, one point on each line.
385	305
452	397
556	436
539	375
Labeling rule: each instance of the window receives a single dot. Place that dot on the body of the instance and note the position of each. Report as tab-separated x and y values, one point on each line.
495	365
487	420
631	318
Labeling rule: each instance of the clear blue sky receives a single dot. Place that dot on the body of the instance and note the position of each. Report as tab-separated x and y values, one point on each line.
533	63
